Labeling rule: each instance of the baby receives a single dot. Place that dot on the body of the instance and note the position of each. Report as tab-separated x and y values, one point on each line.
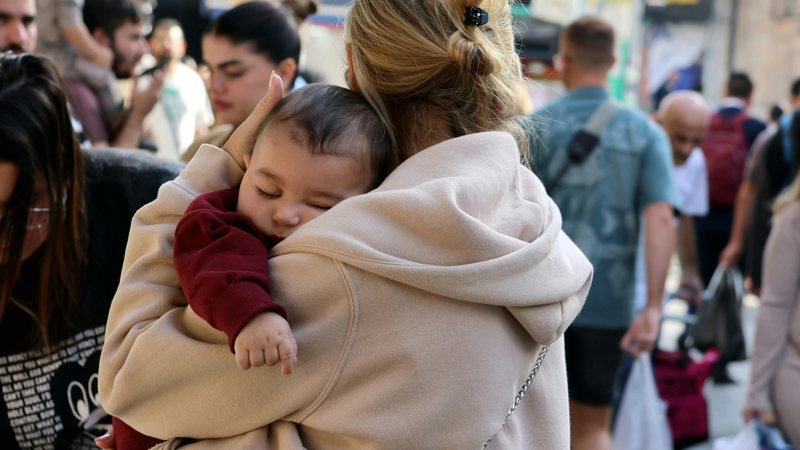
318	146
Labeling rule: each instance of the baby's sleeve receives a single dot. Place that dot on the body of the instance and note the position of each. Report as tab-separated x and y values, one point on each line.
222	264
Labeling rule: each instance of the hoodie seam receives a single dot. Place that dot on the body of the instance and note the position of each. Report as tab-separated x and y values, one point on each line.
331	253
344	353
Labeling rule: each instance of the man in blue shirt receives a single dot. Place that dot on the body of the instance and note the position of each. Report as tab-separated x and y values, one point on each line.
626	176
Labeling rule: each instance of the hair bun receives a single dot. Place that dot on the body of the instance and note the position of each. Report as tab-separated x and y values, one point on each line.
469	56
301	9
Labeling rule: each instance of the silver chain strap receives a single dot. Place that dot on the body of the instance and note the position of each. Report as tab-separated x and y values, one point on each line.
521	393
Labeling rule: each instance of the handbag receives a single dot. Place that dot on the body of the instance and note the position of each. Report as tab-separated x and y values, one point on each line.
719	323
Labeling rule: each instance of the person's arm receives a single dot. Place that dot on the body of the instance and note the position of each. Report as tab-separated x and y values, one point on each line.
142	102
222	265
69	19
78	36
779	300
742	210
656	197
659	244
687	253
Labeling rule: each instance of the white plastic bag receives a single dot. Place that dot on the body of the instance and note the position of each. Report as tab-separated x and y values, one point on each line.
746	439
754	436
642	416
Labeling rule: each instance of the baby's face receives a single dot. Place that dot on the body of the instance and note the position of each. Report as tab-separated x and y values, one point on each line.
285	185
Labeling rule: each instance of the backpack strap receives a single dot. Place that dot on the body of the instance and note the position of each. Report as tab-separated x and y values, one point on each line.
601	117
586	139
785	127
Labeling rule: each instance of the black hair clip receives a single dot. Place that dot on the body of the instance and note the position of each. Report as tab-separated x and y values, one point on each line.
475	16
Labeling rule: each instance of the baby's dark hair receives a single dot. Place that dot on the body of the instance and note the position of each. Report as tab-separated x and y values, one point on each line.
332	120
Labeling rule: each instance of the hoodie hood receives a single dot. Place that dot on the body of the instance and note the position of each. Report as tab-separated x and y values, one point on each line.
464	220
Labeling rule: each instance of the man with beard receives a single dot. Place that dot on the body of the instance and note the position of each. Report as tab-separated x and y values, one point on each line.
117	25
18	29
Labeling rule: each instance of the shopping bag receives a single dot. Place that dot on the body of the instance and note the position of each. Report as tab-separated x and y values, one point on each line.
770	438
719	323
754	436
642	416
746	439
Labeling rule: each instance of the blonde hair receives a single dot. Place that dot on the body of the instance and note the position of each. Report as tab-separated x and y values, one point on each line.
416	58
790	195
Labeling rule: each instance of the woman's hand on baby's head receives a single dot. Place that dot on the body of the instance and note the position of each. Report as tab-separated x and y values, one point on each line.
266	340
244	137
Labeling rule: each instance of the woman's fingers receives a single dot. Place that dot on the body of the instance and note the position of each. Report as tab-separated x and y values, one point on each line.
243	138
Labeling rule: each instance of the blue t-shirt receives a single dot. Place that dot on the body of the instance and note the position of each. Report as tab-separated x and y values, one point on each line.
601	199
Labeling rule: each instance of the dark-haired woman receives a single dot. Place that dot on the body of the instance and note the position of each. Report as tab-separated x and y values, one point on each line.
242	48
64	220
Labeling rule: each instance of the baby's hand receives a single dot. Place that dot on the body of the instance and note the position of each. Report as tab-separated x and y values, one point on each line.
267	339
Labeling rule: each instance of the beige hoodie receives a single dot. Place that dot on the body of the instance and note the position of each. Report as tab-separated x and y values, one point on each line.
418	309
775	362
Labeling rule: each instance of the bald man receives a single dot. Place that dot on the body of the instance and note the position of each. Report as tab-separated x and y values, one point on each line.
685	116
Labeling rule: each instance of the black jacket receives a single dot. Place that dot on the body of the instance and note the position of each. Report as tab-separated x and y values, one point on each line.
51	400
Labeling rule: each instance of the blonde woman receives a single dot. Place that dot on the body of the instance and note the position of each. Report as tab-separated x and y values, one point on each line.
775	374
418	308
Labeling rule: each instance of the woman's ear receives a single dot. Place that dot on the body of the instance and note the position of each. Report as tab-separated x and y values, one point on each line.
287	69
